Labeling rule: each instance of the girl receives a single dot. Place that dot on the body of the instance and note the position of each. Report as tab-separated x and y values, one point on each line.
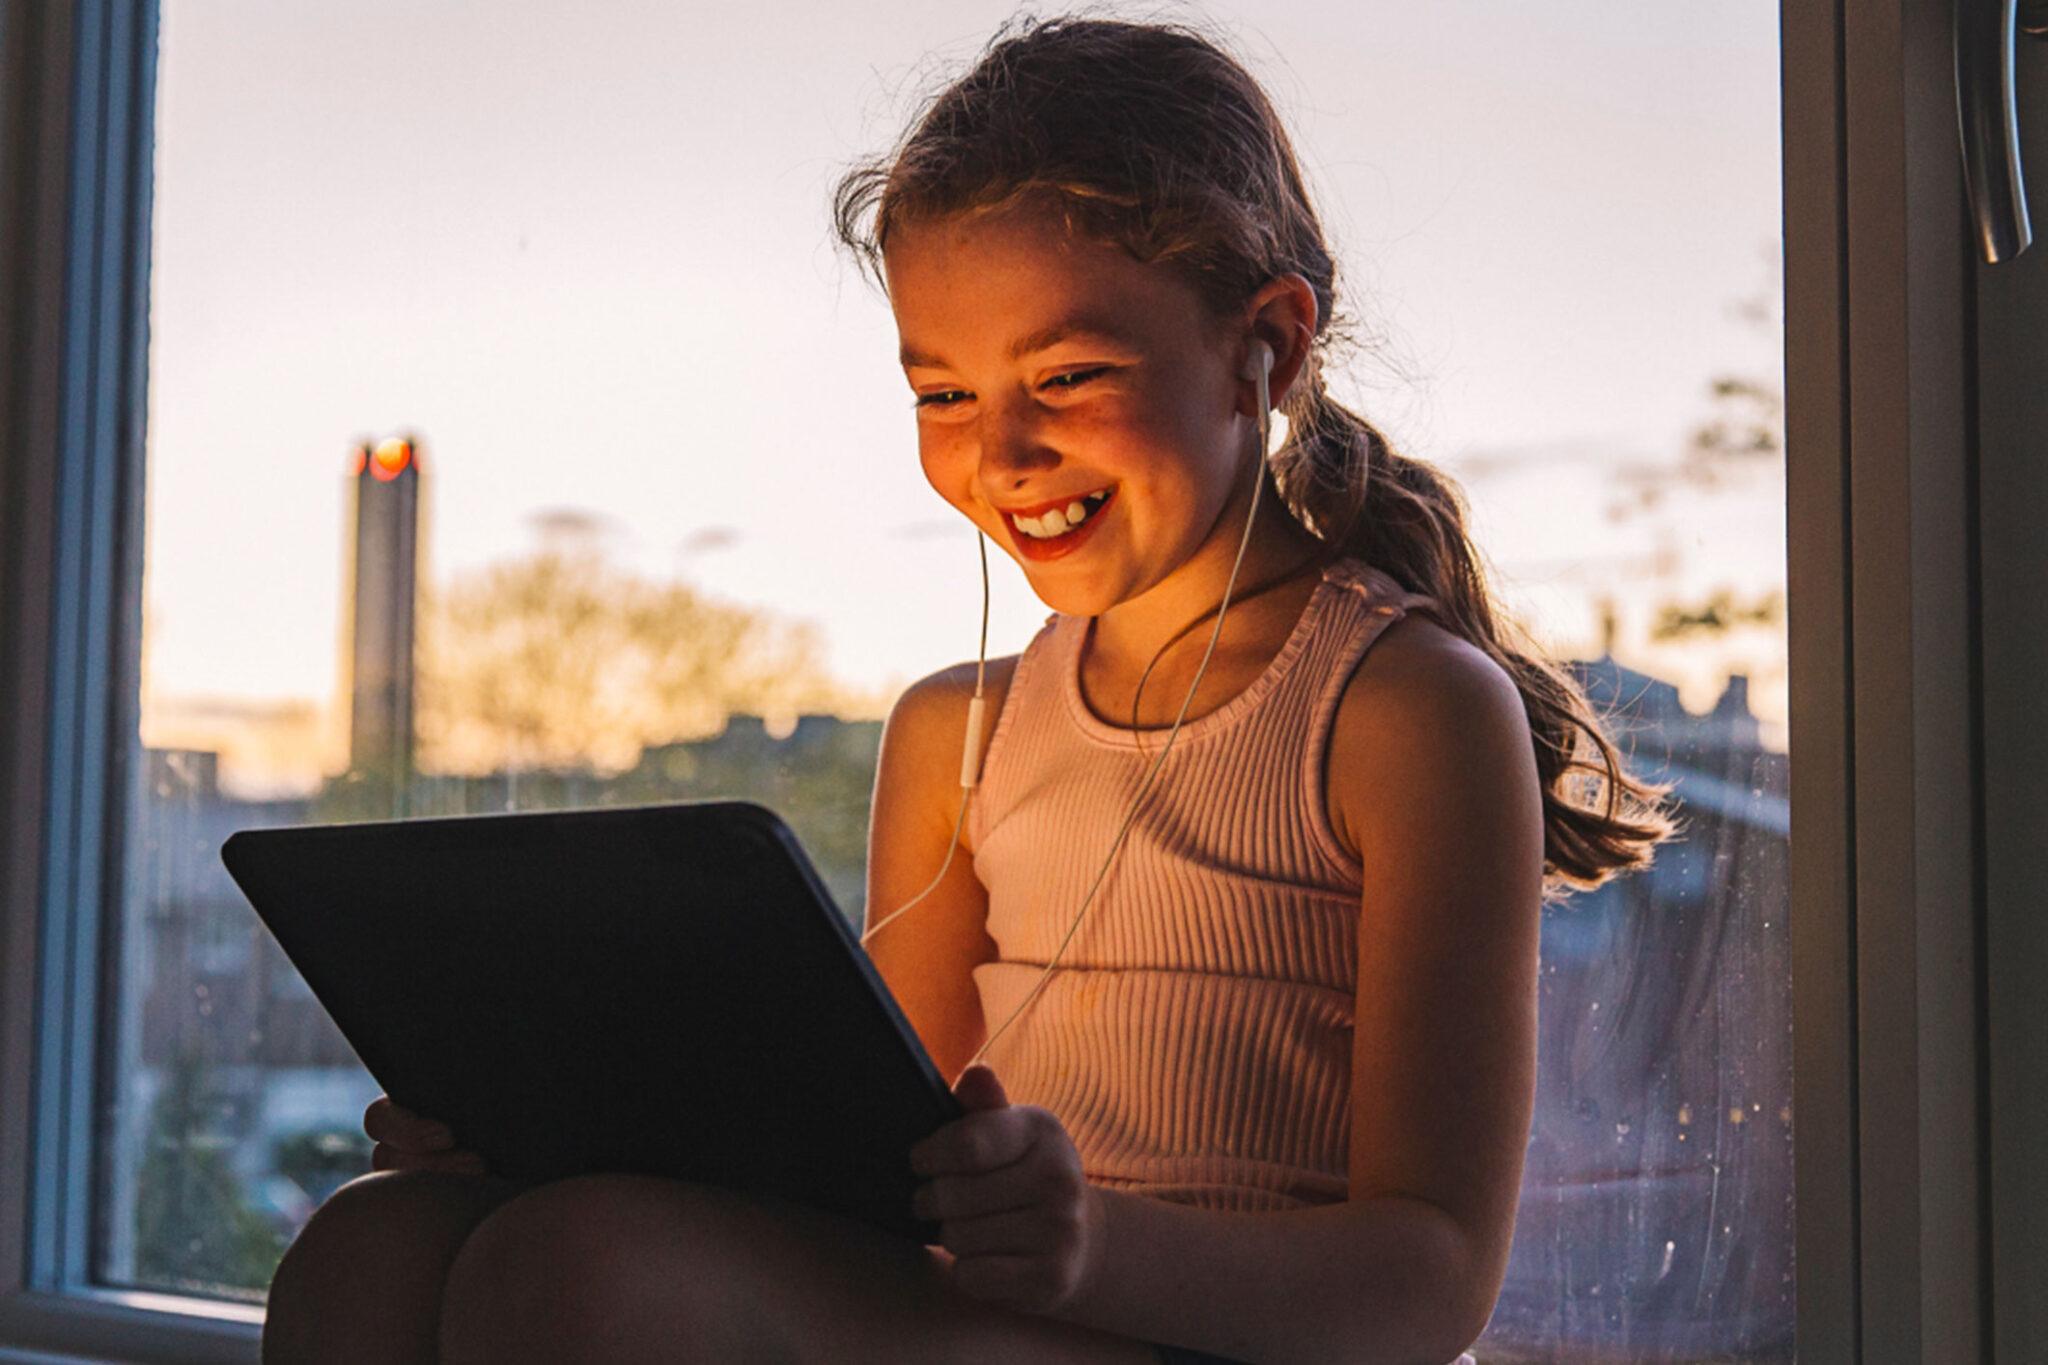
1272	1104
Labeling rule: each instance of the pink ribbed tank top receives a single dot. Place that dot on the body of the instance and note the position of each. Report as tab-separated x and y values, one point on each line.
1196	1039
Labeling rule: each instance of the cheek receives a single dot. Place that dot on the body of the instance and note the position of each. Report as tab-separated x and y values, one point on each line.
1178	432
947	463
932	456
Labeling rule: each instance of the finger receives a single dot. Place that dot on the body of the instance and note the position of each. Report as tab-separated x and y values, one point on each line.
979	1142
386	1121
977	1088
433	1135
1018	1232
387	1112
1019	1185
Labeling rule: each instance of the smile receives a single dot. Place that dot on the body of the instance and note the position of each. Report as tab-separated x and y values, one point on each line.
1061	528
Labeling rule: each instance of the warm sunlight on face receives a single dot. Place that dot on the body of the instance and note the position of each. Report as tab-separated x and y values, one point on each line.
1048	369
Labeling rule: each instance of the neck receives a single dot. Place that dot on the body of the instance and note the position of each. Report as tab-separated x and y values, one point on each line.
1130	635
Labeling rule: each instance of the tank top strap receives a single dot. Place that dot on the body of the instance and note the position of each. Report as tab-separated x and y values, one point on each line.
1381	589
1367	601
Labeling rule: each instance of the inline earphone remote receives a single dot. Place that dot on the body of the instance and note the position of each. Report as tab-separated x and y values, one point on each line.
1258	366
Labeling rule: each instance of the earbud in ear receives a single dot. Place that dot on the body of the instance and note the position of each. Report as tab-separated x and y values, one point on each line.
1259	363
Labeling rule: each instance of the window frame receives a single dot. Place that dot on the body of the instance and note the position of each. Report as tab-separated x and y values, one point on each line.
1891	863
2010	354
1908	1090
77	109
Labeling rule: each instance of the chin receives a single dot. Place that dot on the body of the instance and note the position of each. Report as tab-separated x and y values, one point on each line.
1070	599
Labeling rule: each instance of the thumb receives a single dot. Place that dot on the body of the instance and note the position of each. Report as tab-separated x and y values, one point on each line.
978	1088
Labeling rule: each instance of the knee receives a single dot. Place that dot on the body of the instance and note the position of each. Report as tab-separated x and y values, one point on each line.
343	1231
556	1250
381	1216
379	1242
571	1268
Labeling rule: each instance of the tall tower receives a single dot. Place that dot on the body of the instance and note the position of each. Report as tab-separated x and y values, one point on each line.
385	483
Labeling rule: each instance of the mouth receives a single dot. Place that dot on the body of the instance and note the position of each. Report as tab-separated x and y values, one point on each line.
1060	528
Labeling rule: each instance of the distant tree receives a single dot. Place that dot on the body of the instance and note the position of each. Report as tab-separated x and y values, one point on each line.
562	660
1743	433
192	1229
1717	615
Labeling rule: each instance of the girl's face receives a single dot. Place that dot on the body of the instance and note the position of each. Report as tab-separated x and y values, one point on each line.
1048	369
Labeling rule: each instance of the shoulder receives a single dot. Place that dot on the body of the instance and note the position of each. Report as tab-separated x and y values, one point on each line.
1424	705
937	704
923	737
939	701
1417	662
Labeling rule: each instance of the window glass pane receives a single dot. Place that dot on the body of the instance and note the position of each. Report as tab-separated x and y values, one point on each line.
517	440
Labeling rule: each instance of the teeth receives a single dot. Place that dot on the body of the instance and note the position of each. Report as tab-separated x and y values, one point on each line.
1058	521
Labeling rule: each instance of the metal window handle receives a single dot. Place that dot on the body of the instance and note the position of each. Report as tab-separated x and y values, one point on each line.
1986	32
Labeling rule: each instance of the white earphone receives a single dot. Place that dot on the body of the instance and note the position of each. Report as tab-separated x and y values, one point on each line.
1257	368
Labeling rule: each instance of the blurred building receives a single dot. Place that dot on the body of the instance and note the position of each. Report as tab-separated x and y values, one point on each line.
383	580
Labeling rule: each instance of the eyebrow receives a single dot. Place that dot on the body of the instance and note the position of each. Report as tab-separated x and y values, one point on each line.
1039	340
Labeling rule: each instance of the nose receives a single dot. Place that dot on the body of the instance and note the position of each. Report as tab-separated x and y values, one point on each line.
1013	445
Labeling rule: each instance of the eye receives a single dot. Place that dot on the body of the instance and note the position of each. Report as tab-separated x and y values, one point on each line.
1073	379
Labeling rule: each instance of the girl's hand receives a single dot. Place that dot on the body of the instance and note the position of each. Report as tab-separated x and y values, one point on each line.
1023	1228
405	1141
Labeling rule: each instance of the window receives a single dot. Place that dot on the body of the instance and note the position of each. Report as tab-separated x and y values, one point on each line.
653	447
451	397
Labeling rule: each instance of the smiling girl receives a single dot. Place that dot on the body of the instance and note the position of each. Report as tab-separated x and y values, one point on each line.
1271	1102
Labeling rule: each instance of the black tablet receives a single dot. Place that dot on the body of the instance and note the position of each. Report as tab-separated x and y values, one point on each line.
658	989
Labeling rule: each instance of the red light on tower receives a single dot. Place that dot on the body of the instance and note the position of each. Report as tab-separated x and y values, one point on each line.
358	459
390	458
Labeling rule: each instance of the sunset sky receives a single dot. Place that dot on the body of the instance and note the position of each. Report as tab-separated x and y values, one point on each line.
590	262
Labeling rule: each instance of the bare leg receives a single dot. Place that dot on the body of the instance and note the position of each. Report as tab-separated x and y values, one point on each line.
362	1282
627	1269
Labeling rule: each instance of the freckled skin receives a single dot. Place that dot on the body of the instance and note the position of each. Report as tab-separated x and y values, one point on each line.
1162	412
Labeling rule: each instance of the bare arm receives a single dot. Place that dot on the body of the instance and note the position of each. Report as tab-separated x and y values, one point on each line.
927	955
1363	1281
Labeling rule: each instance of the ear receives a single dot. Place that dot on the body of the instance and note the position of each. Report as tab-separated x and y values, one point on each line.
1283	315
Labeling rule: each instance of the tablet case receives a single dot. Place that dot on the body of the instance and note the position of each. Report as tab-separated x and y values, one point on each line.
659	989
